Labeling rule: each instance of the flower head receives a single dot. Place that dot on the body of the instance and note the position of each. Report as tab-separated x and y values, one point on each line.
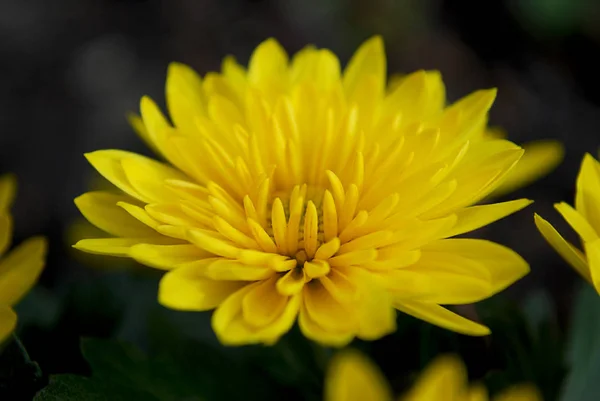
353	377
20	268
584	218
295	191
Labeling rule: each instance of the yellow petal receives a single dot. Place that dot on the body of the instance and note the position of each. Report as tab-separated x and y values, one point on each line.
564	248
326	311
148	178
212	243
313	331
119	246
139	127
539	159
292	282
440	316
108	164
8	189
368	60
185	96
504	265
587	200
474	217
353	377
263	304
20	269
223	269
592	251
101	209
420	95
185	288
577	221
8	321
167	257
376	316
521	392
268	67
5	232
444	379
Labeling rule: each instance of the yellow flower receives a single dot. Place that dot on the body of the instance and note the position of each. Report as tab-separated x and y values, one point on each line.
19	269
585	220
295	190
353	377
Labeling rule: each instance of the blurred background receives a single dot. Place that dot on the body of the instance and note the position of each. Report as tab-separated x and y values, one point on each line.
72	69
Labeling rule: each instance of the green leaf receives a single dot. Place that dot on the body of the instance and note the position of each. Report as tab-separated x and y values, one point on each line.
78	388
582	383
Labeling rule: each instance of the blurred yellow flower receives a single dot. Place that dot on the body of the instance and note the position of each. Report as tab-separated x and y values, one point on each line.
584	219
353	377
295	190
20	268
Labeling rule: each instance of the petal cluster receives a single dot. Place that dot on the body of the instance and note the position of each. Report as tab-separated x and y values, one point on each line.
584	218
20	268
294	190
353	377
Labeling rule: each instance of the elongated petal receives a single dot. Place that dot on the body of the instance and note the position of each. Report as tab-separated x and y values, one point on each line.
564	248
539	159
6	226
186	288
504	265
108	163
587	200
101	209
119	246
167	257
223	269
577	221
440	316
353	377
474	217
592	250
20	269
368	60
8	189
185	96
8	321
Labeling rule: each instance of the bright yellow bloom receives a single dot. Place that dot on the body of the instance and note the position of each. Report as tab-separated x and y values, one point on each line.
293	190
353	377
19	269
585	220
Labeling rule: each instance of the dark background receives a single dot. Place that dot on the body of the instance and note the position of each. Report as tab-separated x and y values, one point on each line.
70	70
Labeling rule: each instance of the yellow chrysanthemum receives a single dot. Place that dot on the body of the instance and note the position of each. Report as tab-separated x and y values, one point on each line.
585	220
19	269
353	377
295	190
